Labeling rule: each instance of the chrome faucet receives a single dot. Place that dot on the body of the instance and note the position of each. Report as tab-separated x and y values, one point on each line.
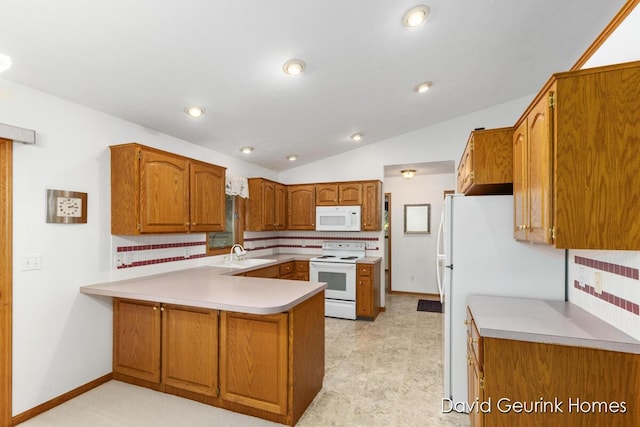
239	251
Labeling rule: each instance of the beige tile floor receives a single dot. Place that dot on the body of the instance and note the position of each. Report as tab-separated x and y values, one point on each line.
382	373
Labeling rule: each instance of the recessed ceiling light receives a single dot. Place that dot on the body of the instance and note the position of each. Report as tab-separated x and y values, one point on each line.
292	157
5	62
422	87
246	150
408	173
356	136
415	16
294	67
194	111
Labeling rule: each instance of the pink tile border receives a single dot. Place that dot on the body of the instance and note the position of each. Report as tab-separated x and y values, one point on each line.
622	303
621	270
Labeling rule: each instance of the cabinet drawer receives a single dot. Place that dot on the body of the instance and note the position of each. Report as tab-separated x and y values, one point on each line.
365	269
474	340
286	268
301	266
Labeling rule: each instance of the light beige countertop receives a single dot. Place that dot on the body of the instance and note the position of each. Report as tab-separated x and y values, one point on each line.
216	288
551	322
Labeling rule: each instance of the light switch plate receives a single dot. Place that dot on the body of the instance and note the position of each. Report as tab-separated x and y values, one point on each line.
31	262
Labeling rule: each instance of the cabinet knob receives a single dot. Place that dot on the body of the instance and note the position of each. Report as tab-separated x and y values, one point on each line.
155	308
467	322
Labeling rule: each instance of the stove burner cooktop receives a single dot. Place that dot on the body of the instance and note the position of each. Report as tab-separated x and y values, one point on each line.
341	252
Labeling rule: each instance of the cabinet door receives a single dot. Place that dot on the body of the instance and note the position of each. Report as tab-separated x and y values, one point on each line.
136	339
364	291
350	193
540	171
253	360
302	207
268	205
371	206
190	349
280	207
520	194
364	297
327	194
207	197
164	192
301	270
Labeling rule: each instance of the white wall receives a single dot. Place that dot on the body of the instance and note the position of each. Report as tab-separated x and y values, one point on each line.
413	255
62	339
443	141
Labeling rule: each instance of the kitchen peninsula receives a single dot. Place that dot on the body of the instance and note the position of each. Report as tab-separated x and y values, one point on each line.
246	344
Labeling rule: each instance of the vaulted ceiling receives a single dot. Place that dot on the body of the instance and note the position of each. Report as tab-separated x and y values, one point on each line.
145	61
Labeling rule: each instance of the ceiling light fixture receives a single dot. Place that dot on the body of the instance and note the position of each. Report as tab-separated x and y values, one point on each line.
415	16
423	87
246	150
292	157
408	173
5	62
194	111
294	67
356	136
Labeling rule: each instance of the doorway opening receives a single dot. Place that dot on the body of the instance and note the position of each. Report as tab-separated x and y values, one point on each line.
387	242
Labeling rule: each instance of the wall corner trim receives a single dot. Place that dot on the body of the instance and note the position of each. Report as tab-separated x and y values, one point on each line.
24	136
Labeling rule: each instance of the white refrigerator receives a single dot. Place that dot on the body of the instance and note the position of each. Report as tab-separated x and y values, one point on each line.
477	255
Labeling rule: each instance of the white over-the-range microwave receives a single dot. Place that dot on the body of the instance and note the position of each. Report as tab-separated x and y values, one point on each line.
338	218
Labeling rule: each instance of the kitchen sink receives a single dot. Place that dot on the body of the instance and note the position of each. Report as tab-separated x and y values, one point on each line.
243	263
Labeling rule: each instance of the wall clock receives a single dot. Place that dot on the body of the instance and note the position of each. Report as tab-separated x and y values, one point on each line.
66	207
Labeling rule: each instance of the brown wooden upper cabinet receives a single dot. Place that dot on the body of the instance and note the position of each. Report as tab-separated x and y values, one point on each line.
576	161
339	193
371	206
266	207
154	191
301	203
486	166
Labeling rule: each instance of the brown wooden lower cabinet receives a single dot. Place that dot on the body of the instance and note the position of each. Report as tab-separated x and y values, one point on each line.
269	366
136	339
523	383
253	357
367	290
189	345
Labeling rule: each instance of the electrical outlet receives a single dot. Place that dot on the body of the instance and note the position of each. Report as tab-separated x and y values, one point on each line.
118	259
597	282
582	276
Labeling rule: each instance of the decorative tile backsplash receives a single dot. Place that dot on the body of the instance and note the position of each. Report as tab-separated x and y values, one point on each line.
607	284
137	251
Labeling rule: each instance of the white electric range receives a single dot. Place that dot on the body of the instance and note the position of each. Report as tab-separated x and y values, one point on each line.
337	267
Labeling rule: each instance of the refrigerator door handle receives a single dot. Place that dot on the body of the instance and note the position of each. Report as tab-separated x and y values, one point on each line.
440	259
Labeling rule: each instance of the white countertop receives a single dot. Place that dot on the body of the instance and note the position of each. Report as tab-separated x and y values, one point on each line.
551	322
213	287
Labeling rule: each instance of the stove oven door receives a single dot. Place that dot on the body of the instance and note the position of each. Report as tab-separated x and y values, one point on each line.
340	279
